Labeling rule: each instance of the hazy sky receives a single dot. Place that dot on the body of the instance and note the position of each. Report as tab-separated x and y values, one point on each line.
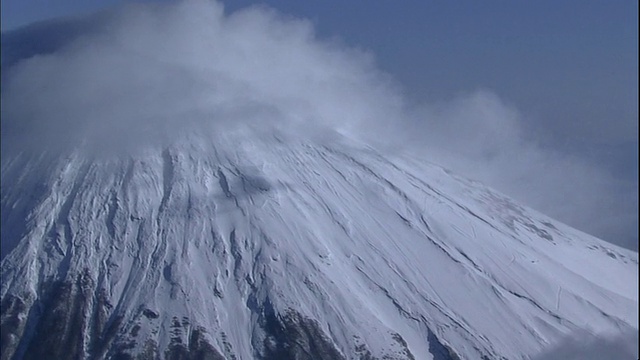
538	99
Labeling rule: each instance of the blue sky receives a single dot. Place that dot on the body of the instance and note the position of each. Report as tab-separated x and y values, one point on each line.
570	68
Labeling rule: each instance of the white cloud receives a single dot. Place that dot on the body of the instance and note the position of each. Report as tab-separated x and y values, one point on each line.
480	136
151	71
587	346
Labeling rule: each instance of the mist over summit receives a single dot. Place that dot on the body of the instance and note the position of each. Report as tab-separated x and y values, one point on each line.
145	73
150	72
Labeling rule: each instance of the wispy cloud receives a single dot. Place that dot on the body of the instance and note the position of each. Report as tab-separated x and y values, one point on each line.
586	346
143	73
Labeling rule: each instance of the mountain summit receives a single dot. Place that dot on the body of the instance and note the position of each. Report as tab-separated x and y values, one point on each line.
177	183
260	245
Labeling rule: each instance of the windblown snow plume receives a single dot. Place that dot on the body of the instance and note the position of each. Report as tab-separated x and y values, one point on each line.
148	73
144	73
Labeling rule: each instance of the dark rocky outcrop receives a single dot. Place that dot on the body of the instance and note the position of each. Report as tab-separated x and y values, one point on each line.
11	325
71	320
291	336
198	349
439	350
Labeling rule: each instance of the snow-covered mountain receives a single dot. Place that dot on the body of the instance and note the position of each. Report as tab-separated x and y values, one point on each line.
178	182
259	244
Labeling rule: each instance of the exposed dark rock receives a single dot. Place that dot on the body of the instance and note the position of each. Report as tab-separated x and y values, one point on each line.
293	337
150	351
73	321
11	325
150	314
364	353
228	349
122	356
198	348
405	349
176	351
63	316
439	350
134	331
103	331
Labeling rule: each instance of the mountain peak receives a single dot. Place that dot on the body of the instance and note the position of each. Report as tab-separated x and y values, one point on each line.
282	248
181	183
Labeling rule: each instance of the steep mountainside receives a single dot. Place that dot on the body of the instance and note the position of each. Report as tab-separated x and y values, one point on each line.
262	245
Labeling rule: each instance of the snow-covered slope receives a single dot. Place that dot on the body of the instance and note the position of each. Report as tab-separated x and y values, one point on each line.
262	245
